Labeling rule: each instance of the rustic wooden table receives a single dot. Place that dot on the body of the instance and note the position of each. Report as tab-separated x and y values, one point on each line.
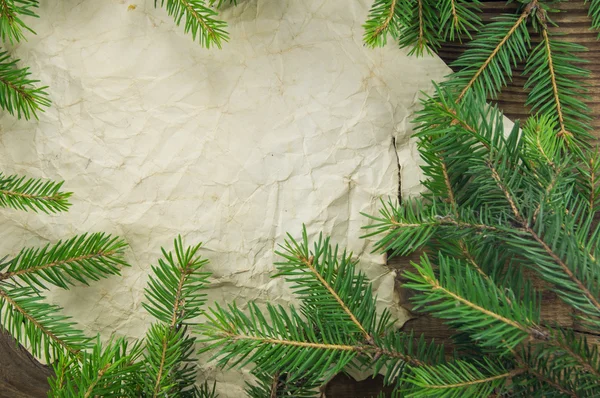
22	376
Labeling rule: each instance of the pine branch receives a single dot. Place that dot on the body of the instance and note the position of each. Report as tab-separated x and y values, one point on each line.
547	379
594	13
169	366
410	225
199	20
385	18
458	18
109	371
553	83
284	341
420	31
467	301
461	379
219	3
309	350
12	26
588	182
327	283
416	352
18	95
277	386
206	391
570	351
82	258
38	325
174	297
33	194
490	55
574	289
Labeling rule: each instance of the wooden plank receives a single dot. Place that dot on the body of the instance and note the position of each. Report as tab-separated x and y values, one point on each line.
575	24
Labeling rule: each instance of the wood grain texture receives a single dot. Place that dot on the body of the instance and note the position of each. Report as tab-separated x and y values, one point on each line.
575	26
574	23
22	376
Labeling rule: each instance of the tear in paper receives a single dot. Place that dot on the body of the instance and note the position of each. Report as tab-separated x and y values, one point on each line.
294	121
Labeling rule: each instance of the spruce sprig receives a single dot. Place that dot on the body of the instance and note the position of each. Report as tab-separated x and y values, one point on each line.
83	258
22	193
198	19
12	26
174	297
554	84
18	93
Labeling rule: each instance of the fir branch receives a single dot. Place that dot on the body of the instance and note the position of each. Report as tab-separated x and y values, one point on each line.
12	26
458	18
588	179
33	194
463	298
82	258
546	373
490	55
278	386
328	284
284	341
168	361
219	3
579	285
460	379
104	371
384	19
37	325
18	95
174	296
199	20
594	13
419	31
572	351
410	225
553	83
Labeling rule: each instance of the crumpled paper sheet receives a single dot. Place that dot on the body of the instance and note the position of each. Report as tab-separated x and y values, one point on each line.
291	122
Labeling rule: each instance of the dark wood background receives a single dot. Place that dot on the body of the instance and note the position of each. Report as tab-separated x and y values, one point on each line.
21	376
575	24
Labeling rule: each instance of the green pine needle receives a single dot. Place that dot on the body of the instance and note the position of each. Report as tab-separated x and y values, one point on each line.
594	13
385	18
472	303
283	340
38	325
199	20
488	62
18	94
104	371
83	258
12	27
461	379
23	193
174	297
420	32
330	287
458	18
554	85
268	385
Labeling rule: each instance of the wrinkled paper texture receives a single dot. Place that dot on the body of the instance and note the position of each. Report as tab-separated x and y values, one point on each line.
294	121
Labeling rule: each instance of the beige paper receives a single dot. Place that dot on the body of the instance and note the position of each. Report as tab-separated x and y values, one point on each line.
291	122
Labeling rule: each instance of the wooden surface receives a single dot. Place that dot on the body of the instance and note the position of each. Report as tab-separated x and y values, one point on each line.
576	25
21	376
